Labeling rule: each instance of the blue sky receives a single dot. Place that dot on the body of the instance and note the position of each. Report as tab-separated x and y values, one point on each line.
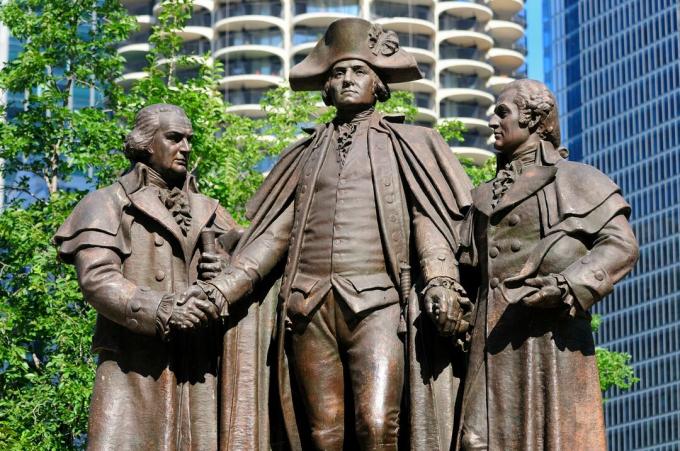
534	39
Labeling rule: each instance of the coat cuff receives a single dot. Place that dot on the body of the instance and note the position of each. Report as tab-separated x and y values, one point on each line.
142	309
439	264
163	314
232	285
588	283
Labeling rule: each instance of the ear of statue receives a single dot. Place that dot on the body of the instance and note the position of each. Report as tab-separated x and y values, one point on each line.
534	122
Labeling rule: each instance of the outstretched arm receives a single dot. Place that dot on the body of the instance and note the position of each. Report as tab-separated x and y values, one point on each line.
253	262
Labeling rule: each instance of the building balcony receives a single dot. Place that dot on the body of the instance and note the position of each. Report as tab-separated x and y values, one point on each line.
519	19
478	96
464	39
452	80
200	18
304	35
455	109
331	7
507	57
466	8
192	32
238	10
407	25
449	22
505	6
422	85
505	31
270	37
499	81
137	8
474	150
383	9
195	47
245	102
135	62
252	71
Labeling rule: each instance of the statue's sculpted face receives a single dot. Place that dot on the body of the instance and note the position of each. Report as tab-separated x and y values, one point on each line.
352	85
169	153
507	131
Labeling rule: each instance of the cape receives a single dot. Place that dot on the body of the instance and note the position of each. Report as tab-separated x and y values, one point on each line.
256	396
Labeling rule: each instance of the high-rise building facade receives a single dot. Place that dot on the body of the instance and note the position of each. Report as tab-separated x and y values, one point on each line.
467	50
615	68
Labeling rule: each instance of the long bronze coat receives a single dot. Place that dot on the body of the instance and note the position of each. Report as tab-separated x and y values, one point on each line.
411	166
542	384
129	252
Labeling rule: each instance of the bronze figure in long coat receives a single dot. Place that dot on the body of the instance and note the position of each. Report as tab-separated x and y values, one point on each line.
347	211
549	238
135	245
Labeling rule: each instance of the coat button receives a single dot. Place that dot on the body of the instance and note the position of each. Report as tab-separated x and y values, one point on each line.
585	260
393	217
493	283
513	220
493	252
133	324
160	275
303	189
136	306
599	275
395	236
337	242
516	245
158	240
389	198
387	181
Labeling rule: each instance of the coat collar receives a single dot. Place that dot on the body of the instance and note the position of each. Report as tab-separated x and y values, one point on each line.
145	198
532	179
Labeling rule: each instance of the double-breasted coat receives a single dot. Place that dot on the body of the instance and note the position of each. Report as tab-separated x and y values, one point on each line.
534	369
153	390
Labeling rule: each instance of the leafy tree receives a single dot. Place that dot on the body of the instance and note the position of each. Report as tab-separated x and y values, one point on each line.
46	368
614	367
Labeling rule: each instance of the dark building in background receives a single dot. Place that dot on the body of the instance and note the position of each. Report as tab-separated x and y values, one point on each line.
615	68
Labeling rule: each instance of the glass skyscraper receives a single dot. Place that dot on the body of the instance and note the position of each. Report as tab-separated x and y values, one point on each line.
615	69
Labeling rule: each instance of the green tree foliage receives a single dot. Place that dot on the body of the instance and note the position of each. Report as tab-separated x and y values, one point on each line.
614	367
46	368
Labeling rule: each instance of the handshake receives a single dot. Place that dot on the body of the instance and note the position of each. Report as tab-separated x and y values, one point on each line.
194	308
448	306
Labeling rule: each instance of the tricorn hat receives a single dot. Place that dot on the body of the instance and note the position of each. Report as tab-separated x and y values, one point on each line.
354	38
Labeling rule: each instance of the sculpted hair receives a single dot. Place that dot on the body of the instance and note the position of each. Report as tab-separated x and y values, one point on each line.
380	89
138	142
534	99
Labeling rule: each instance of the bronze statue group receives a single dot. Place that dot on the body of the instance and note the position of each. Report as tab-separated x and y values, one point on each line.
376	301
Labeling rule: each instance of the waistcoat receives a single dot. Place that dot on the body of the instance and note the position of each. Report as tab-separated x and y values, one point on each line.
341	242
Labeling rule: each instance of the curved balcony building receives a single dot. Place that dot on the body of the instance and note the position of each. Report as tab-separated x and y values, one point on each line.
467	50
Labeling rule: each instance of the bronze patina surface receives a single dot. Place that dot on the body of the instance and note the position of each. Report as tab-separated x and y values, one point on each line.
135	245
350	216
548	238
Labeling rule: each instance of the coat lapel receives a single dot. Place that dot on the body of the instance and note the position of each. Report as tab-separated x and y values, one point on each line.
532	179
481	198
202	210
146	200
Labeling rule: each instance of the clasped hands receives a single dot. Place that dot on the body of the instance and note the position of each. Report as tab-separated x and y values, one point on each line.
192	309
447	306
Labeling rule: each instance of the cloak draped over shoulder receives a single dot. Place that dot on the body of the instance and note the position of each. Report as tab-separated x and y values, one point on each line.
436	184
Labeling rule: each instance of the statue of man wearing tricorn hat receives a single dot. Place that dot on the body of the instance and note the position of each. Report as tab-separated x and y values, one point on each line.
361	216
